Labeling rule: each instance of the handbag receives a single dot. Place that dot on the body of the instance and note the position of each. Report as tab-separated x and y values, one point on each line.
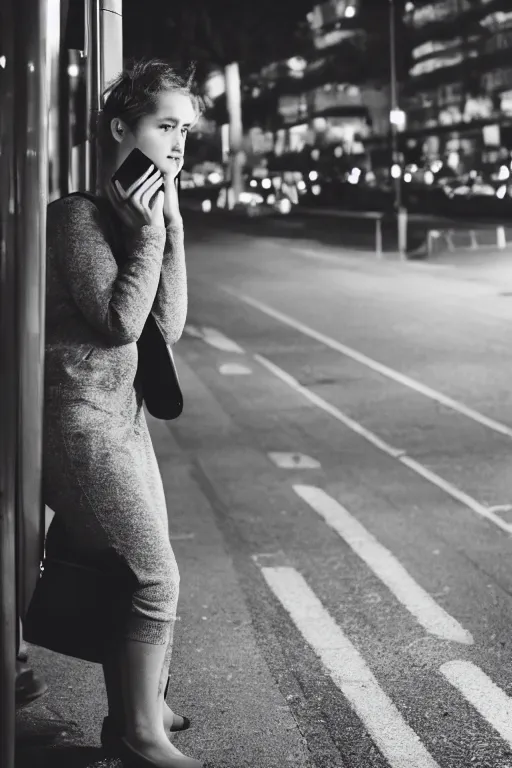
78	608
157	377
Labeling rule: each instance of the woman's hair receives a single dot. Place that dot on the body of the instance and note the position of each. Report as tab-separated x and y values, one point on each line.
134	93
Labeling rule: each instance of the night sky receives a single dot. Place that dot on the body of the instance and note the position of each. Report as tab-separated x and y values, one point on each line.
252	33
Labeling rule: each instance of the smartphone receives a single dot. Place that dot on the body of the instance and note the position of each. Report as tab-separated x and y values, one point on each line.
135	166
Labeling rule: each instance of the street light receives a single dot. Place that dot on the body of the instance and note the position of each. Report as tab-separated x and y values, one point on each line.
397	124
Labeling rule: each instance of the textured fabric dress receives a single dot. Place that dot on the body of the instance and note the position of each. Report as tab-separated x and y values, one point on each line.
100	474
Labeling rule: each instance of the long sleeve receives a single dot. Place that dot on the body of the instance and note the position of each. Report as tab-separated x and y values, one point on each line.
171	302
114	300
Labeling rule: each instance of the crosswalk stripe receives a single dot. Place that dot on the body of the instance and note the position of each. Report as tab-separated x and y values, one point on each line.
385	566
399	744
488	699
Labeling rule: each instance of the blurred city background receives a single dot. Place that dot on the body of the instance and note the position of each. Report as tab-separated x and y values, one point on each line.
346	105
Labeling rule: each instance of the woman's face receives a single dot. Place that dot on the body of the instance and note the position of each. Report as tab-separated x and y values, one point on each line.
162	135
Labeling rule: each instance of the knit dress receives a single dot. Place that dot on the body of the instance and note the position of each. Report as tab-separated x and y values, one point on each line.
100	474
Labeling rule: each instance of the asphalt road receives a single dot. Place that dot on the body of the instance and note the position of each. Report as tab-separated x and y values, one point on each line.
340	503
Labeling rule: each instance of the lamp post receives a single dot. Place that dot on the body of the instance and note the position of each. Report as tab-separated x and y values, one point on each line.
397	123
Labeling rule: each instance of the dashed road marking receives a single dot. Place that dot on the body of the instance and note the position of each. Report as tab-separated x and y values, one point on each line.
385	566
194	331
487	698
395	453
216	339
234	369
374	365
399	744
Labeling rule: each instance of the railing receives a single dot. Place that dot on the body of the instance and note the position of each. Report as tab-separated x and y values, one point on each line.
375	216
484	238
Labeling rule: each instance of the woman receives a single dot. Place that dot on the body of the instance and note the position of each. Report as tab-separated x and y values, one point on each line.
101	476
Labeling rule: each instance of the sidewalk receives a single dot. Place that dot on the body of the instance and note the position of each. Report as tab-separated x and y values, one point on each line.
489	266
220	679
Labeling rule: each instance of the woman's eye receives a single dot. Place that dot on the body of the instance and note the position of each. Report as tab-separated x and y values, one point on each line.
165	126
184	131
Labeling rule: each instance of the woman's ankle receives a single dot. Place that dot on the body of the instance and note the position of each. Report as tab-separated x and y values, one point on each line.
145	733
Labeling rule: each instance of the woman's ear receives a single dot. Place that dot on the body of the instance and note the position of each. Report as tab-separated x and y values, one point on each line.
118	129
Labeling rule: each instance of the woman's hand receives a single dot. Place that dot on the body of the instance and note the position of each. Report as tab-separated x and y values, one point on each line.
172	213
136	206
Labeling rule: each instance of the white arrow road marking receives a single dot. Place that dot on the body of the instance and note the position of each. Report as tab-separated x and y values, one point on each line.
399	744
293	460
491	702
385	566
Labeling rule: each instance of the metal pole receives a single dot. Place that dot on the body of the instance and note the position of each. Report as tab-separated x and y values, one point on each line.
395	156
64	143
234	104
8	388
32	182
111	33
23	185
93	86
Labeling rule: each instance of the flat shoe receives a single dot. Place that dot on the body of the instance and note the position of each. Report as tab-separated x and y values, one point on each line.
110	735
29	686
131	758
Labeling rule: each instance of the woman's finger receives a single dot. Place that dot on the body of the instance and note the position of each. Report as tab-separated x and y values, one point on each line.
140	180
158	206
137	195
148	194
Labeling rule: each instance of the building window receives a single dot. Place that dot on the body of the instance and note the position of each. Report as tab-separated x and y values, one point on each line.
439	62
434	46
442	10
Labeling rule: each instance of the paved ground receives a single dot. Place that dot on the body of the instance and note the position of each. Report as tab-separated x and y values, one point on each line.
346	603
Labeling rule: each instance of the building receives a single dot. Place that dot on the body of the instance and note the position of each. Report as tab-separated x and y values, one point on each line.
458	95
324	106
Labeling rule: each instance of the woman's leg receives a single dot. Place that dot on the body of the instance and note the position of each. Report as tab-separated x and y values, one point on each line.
100	476
169	718
142	665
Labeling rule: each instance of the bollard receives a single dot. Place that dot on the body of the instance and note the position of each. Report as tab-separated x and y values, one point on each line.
402	233
501	240
378	237
430	238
